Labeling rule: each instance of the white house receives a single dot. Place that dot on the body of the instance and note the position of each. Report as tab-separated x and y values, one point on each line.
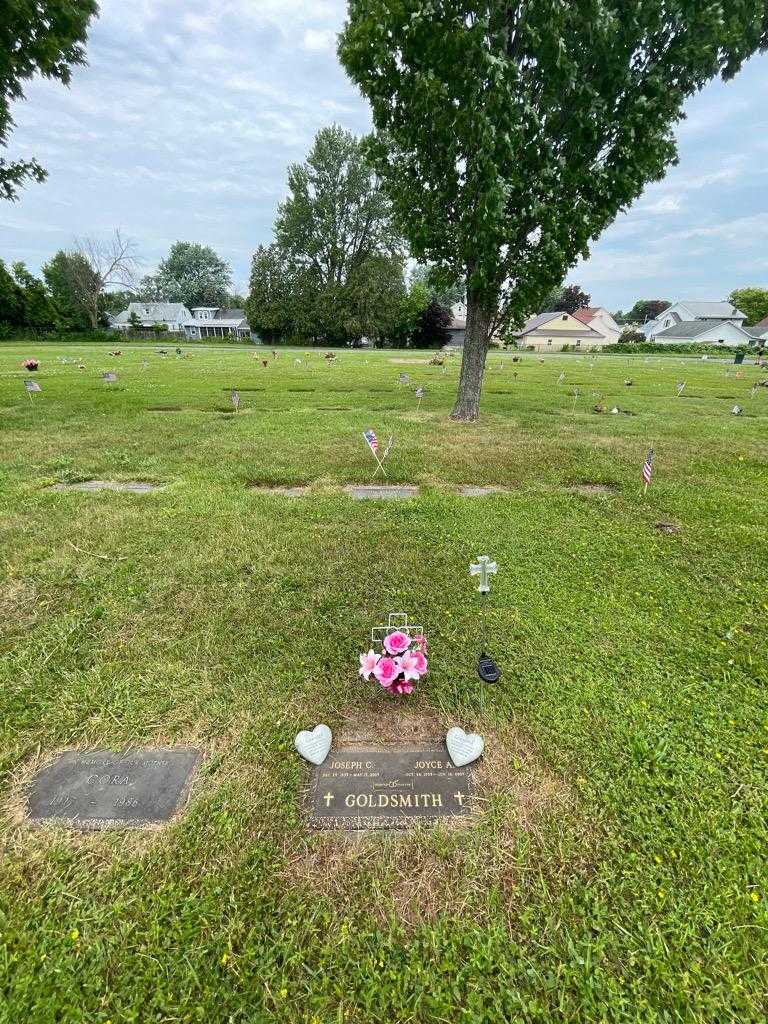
201	322
214	322
710	323
173	315
457	328
600	320
551	332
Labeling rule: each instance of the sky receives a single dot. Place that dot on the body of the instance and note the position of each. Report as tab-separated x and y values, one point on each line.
189	112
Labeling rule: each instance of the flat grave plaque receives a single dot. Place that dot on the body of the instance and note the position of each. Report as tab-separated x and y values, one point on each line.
372	789
91	789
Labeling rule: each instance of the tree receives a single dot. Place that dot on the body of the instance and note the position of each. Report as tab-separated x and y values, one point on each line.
270	306
45	37
79	279
432	326
446	295
59	275
11	300
335	217
193	274
631	336
38	311
506	147
753	302
571	298
335	270
646	309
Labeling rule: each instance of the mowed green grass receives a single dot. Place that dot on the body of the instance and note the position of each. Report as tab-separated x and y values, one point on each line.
635	667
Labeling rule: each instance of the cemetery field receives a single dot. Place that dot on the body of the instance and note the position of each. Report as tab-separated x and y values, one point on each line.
614	866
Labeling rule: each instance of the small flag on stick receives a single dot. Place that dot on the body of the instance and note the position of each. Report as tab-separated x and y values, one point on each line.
402	378
561	378
419	395
647	469
373	443
109	377
32	385
235	396
679	387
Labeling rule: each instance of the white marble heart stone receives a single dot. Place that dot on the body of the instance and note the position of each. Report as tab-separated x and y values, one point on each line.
314	746
463	747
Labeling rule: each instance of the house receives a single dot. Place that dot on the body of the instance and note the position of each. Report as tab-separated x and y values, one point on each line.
174	317
760	329
600	320
457	328
149	315
214	322
551	332
709	323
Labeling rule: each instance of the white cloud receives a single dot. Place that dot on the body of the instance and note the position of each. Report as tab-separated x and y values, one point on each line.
317	39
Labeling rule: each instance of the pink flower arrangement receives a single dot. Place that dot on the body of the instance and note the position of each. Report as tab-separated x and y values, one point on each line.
31	364
401	664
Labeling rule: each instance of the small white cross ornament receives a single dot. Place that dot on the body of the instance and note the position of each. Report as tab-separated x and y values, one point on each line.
483	568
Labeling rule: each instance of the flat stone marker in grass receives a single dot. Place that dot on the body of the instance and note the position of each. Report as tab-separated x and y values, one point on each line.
131	486
375	789
93	789
383	492
480	491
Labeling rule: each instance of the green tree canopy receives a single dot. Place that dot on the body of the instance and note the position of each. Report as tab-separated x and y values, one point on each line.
11	300
191	273
509	135
646	309
39	313
568	299
335	271
753	302
60	274
37	37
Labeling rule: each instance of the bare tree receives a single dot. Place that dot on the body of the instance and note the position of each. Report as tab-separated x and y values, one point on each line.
100	264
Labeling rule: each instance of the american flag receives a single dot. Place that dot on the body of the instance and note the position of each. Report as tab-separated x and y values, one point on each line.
32	385
648	467
419	392
110	378
236	400
402	378
371	440
561	378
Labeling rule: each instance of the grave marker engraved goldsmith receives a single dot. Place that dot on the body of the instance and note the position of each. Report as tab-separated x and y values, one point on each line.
368	789
90	789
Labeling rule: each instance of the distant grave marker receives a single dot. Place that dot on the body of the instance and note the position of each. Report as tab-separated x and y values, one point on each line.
384	492
92	789
130	486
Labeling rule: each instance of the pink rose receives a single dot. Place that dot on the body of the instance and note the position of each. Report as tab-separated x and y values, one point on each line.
413	665
401	686
386	671
421	641
397	642
368	664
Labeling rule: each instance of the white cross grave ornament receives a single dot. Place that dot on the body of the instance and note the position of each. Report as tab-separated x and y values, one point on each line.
483	568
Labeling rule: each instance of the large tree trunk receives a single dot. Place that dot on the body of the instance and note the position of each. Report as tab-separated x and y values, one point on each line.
477	336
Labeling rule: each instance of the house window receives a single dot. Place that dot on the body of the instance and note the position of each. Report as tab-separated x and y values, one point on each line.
578	343
549	341
565	316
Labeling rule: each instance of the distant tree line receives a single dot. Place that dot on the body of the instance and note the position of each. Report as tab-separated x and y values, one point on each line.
80	288
335	272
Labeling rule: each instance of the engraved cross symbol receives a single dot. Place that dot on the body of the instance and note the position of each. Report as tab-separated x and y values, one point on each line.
483	568
328	797
460	797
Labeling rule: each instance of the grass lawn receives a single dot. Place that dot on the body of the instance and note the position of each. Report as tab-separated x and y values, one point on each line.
615	870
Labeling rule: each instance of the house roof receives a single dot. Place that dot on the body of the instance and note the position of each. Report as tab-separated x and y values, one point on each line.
761	325
586	315
693	328
711	310
230	314
153	311
539	321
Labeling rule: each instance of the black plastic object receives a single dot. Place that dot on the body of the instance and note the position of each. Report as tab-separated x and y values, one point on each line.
487	669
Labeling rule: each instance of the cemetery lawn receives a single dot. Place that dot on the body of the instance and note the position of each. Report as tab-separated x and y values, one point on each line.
616	868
